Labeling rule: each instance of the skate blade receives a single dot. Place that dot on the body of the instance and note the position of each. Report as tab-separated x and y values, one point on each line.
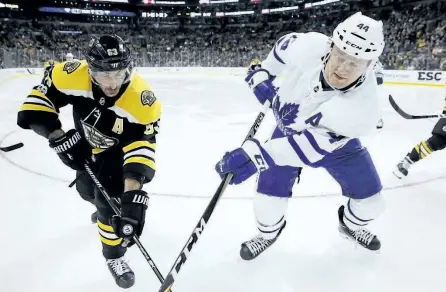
398	174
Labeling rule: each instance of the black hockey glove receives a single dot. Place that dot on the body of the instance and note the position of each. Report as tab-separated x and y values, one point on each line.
133	214
72	149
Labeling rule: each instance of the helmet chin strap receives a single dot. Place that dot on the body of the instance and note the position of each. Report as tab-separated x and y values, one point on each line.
353	85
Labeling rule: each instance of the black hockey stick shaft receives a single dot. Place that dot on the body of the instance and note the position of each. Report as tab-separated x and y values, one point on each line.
12	147
74	181
409	116
112	204
199	228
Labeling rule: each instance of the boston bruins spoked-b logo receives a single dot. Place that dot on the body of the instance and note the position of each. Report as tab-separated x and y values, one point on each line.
70	67
93	135
147	97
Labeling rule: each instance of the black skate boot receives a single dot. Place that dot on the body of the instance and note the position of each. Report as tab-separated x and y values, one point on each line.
94	217
253	248
402	168
361	236
124	276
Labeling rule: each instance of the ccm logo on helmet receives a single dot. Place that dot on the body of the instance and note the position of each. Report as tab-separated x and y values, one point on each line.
353	45
429	76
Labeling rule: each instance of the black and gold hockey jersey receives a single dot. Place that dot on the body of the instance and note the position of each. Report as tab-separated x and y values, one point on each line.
128	122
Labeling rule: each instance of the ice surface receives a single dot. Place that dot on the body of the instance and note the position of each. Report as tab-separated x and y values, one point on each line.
48	244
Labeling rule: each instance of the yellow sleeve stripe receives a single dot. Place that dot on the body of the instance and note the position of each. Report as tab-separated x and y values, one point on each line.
139	144
141	160
111	242
40	94
105	227
35	107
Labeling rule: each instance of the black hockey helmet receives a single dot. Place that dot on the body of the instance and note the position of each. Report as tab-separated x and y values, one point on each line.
109	63
108	53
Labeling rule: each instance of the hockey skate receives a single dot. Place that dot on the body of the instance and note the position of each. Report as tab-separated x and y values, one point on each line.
362	236
253	248
380	124
402	168
123	274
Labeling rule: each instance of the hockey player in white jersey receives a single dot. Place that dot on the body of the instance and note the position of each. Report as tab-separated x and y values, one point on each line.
379	74
328	98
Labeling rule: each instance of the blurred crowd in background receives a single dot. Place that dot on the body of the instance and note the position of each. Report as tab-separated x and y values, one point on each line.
415	35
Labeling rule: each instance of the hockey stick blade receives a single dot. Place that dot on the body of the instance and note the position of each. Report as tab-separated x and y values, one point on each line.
12	147
199	228
408	116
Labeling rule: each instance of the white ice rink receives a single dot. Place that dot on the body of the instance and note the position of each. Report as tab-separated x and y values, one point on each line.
48	243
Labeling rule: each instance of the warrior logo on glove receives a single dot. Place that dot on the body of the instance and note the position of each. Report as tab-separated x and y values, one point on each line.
68	143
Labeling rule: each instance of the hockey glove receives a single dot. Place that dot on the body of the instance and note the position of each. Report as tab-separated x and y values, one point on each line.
261	83
238	163
134	205
72	149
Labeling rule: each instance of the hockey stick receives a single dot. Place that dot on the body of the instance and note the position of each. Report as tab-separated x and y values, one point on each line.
12	147
199	228
74	181
112	204
411	117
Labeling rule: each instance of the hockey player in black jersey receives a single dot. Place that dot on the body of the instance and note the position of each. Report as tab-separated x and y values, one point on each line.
116	117
423	149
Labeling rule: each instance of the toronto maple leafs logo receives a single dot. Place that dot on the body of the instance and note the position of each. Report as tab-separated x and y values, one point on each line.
285	115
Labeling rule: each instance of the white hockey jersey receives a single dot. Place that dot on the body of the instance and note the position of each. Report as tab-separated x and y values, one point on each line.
314	121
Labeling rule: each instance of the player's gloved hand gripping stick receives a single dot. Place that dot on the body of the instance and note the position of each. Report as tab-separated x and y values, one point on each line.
198	230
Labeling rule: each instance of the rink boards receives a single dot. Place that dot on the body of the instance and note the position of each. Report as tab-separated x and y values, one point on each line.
391	77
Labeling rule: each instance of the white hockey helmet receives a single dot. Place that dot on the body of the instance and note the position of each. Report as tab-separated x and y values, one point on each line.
69	57
360	36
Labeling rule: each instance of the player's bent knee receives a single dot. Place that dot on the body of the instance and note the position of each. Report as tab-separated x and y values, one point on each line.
369	208
440	128
437	142
278	181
